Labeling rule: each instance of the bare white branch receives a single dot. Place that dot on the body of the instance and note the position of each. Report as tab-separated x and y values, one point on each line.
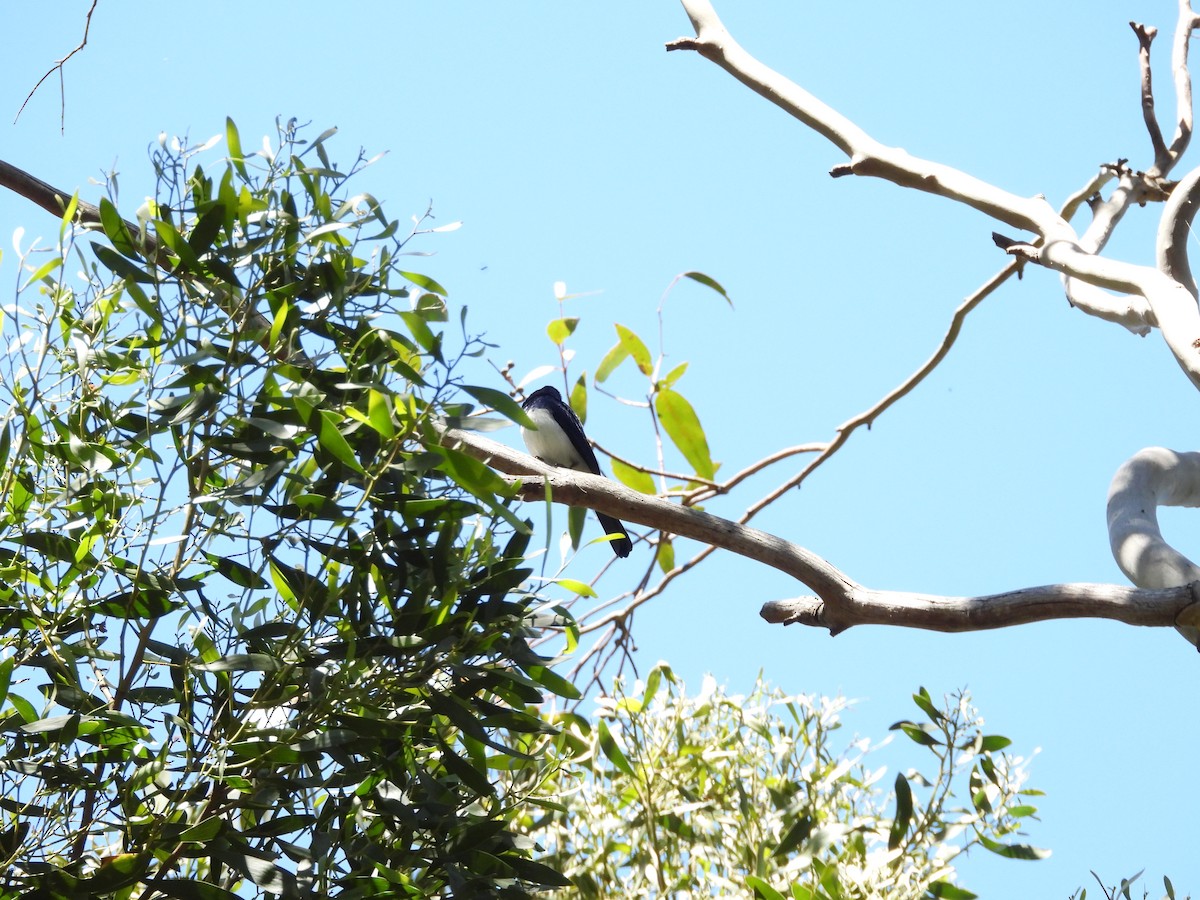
1151	478
1171	306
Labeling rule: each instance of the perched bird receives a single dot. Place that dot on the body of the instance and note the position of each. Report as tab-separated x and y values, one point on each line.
560	441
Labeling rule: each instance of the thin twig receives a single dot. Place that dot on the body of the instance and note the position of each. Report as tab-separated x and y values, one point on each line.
58	67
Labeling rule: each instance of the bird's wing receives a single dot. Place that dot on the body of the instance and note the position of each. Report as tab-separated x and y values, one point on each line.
573	428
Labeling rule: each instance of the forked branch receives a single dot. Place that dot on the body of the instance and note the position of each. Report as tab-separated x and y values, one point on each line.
839	602
1172	307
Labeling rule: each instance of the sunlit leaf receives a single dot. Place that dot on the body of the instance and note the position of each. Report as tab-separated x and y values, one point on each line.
234	142
608	743
762	889
425	282
561	329
682	425
635	348
553	682
613	358
635	478
501	402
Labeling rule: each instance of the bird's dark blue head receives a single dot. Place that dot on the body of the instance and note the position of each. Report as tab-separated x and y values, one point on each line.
543	393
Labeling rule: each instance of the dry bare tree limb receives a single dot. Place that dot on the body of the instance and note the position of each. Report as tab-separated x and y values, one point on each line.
1133	606
593	621
45	195
1145	35
1187	22
867	155
1171	303
1130	311
868	417
1137	187
58	67
1174	311
840	602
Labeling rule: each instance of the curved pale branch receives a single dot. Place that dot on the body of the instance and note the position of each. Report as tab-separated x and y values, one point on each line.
1151	478
1171	304
840	602
1175	230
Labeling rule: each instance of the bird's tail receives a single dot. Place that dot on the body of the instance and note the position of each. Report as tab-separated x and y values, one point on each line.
622	546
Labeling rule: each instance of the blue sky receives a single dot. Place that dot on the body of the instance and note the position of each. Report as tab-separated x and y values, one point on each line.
573	148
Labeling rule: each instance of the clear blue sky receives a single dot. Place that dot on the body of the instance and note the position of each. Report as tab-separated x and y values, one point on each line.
574	148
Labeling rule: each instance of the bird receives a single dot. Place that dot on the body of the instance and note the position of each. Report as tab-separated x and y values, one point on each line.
559	441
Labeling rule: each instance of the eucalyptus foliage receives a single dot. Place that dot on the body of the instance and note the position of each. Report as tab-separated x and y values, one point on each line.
671	795
259	631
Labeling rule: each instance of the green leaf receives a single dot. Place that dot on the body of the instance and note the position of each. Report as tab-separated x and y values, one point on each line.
920	734
682	425
576	516
613	358
636	348
119	265
796	834
653	681
553	682
116	230
674	375
608	743
240	574
1127	883
501	402
54	723
203	831
665	555
43	271
635	478
993	742
561	329
465	772
242	662
206	229
925	702
762	889
944	890
703	279
6	670
170	238
579	398
424	281
1014	851
330	437
576	587
380	413
904	811
537	873
234	142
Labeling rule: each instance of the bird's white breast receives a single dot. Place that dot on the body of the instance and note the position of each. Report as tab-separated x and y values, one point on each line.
550	443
